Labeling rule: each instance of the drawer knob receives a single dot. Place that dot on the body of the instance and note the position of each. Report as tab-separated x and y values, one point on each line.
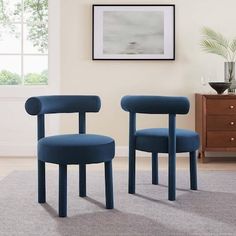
231	139
231	123
231	107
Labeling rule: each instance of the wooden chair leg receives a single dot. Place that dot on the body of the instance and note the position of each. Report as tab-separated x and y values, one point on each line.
41	182
193	171
62	190
154	168
109	185
82	180
132	171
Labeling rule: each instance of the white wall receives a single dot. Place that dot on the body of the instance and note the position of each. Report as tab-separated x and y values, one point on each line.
113	79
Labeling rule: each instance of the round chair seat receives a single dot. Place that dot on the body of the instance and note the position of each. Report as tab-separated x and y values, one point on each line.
76	149
156	140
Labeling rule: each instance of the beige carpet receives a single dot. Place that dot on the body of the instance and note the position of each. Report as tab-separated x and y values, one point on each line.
209	211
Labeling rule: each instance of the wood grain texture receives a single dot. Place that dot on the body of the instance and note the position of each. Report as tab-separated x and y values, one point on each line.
216	123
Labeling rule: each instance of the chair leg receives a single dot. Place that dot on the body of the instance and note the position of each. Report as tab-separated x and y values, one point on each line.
82	180
172	177
109	185
154	168
193	171
132	171
41	182
62	190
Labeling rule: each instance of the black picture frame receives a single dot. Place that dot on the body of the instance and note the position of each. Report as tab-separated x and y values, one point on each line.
133	32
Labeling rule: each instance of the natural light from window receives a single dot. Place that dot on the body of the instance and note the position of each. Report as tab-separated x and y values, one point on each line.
23	42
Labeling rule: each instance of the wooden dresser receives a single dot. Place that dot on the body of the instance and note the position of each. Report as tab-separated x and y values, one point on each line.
216	123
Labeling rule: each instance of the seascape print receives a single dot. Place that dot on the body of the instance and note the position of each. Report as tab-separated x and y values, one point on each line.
129	32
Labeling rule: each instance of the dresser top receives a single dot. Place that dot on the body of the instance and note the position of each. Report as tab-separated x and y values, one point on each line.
222	96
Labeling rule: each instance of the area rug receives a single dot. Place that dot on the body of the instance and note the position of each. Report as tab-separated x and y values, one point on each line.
209	211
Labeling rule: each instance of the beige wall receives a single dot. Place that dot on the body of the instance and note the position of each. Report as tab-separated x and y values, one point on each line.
113	79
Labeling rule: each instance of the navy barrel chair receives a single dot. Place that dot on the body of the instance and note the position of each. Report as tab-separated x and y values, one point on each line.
160	140
69	149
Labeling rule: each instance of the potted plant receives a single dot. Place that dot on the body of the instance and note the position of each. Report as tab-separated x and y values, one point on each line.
215	43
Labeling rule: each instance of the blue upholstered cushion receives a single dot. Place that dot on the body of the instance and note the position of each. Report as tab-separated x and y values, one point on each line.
156	140
155	104
76	149
62	104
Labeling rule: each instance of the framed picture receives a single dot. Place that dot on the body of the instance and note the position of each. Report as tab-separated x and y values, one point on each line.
133	32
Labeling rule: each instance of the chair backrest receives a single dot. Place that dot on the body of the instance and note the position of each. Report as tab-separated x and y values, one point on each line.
155	104
62	104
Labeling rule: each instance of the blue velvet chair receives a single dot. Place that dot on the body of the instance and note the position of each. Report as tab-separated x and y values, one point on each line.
160	140
71	149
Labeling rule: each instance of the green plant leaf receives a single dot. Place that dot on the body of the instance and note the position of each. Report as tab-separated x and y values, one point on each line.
233	45
212	35
211	46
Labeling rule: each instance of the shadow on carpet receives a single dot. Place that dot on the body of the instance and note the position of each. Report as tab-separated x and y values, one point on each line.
209	211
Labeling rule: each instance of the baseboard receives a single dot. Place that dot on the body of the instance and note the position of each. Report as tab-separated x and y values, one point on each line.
27	150
12	150
123	151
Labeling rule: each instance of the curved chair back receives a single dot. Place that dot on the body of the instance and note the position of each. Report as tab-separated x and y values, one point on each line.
62	104
155	104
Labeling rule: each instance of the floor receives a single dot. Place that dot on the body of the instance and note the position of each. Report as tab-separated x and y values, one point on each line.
9	164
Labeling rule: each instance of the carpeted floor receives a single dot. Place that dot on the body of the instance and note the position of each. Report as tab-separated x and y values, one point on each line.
209	211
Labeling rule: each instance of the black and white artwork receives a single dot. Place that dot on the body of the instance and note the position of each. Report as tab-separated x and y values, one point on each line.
131	32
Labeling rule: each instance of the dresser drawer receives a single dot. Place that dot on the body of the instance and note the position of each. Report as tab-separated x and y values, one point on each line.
216	123
221	139
221	123
220	106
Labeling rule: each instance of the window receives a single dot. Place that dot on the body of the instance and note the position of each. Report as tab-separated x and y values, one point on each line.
23	42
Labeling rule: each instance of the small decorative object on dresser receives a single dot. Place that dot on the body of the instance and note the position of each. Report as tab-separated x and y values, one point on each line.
216	123
215	43
220	87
